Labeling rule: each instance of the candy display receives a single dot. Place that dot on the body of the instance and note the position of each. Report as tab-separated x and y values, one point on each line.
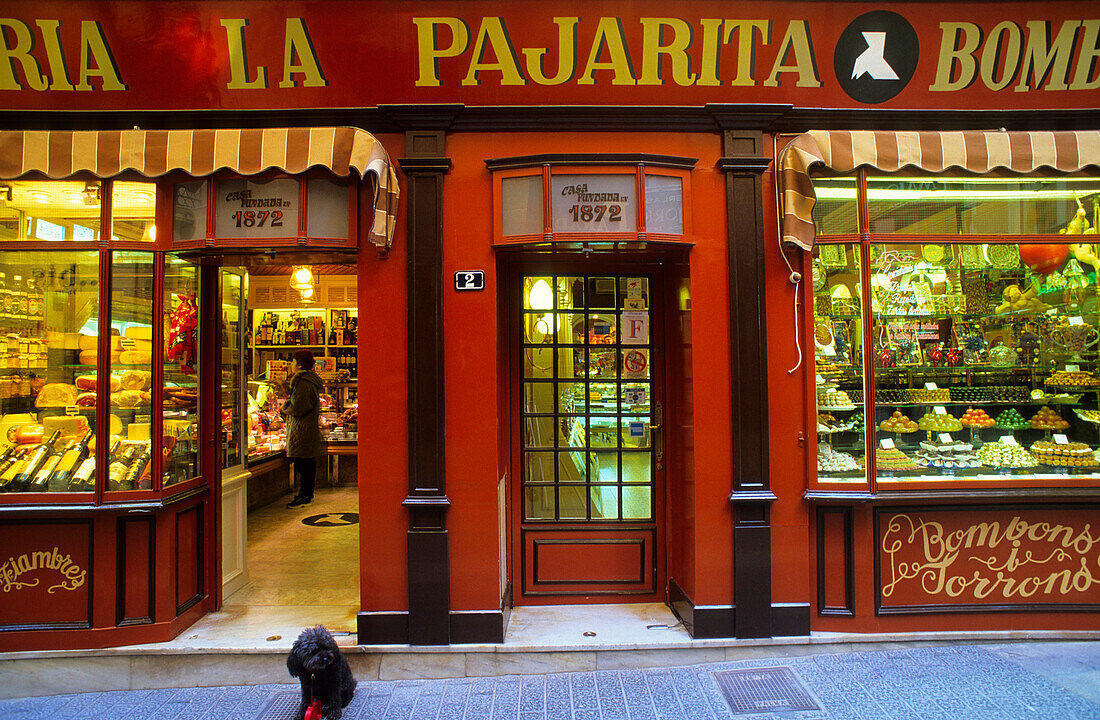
833	399
922	395
1006	455
829	460
897	423
1076	378
1092	416
976	418
1073	454
1047	419
859	422
893	460
939	422
1012	420
949	454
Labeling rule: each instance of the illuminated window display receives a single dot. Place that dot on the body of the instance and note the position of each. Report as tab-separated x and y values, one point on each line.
953	354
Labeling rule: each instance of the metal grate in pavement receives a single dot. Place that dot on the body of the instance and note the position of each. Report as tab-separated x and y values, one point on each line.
282	705
761	690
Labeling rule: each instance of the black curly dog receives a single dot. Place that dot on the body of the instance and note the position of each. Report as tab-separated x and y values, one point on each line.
323	671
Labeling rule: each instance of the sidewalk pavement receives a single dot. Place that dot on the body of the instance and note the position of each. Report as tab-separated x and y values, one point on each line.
1010	681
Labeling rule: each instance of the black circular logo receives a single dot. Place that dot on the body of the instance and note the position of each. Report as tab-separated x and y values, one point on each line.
876	56
331	519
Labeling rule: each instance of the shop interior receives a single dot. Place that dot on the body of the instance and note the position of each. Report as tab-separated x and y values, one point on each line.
291	567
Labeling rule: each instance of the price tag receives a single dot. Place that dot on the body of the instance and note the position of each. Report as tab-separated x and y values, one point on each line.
1073	368
945	437
1078	320
127	343
72	409
1009	440
940	410
886	443
1060	439
930	386
829	350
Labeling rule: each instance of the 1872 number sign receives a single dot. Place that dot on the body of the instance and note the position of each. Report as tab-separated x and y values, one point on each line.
257	209
593	203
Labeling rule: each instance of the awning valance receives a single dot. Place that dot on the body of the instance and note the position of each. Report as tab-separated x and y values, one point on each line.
976	151
106	153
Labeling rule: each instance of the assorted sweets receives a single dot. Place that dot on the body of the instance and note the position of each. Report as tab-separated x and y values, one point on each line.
1068	454
939	422
976	418
833	398
1047	419
1072	379
893	460
1011	419
834	461
947	454
898	423
1001	454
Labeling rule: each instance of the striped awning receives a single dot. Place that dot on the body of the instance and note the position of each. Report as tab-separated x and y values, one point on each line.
976	151
106	153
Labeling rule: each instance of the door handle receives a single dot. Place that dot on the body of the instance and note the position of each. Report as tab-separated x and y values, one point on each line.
658	437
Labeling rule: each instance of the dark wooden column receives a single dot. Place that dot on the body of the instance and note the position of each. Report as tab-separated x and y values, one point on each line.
429	567
745	158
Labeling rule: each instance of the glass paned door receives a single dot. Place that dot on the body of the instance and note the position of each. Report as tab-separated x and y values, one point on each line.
590	416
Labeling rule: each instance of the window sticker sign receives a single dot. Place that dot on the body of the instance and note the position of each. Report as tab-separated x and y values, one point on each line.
593	203
636	364
635	328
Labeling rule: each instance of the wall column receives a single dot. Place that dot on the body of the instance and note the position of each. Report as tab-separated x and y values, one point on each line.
427	503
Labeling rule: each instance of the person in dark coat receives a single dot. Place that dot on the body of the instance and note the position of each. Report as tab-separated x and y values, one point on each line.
303	434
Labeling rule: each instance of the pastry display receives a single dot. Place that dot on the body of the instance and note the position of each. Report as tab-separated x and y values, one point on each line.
833	398
1001	454
976	418
826	423
1047	419
832	461
939	422
897	423
1012	420
1073	454
893	460
1075	378
950	454
1092	416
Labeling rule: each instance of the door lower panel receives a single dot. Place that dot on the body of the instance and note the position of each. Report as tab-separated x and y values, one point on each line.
589	561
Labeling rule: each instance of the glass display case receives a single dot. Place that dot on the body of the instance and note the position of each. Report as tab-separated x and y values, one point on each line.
233	294
959	360
266	429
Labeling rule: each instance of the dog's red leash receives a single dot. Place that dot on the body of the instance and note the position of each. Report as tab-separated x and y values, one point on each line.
313	712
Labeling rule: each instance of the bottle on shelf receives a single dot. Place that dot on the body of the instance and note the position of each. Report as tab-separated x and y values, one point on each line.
18	292
5	298
36	458
41	480
7	461
332	336
120	461
84	476
70	461
137	470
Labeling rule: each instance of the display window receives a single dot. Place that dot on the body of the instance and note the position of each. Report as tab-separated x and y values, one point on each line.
79	354
950	351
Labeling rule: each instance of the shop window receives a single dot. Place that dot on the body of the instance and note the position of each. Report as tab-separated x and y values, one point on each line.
980	206
181	381
133	216
521	205
980	354
50	324
838	344
664	204
189	211
328	215
130	465
836	211
50	211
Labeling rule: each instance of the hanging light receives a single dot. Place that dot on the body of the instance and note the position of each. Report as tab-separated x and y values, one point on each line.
301	276
541	297
307	295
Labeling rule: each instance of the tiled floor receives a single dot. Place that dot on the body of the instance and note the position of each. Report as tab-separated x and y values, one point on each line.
299	575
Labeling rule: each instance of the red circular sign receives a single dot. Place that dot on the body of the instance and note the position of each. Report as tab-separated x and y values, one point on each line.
635	361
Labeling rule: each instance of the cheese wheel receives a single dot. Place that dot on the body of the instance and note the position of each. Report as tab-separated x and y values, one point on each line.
115	425
139	332
87	342
69	425
89	357
135	357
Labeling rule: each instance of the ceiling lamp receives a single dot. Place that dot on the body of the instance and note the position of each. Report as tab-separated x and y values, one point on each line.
301	276
307	295
41	196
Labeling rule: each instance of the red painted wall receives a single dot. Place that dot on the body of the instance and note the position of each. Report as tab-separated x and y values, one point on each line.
383	415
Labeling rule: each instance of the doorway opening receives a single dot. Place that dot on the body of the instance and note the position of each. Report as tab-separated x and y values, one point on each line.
288	566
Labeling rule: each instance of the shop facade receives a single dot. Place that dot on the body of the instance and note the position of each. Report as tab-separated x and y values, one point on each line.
745	316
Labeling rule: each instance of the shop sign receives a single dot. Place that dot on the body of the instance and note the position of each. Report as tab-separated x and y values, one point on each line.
977	559
470	280
635	364
635	328
592	203
45	572
256	208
